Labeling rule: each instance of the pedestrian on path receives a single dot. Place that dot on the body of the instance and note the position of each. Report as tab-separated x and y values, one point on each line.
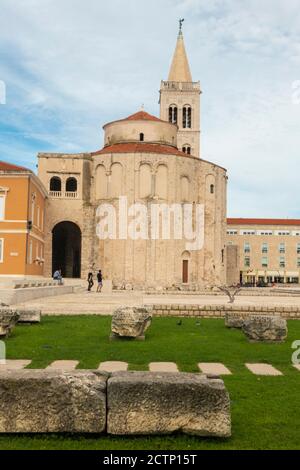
90	281
100	281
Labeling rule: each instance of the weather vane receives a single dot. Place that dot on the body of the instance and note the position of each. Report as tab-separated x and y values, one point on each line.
180	24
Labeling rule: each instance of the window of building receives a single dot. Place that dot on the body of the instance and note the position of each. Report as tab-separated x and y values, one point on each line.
212	189
247	248
55	184
32	209
282	232
187	117
142	137
30	253
232	232
187	149
265	248
264	262
282	262
71	185
282	248
1	250
173	114
247	261
298	262
38	216
265	232
2	207
298	248
247	232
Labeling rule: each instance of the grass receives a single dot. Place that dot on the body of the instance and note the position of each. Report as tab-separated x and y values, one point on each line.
265	410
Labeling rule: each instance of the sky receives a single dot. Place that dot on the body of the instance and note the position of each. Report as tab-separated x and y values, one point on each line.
69	66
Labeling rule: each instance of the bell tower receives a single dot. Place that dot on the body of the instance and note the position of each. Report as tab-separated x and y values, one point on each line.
180	100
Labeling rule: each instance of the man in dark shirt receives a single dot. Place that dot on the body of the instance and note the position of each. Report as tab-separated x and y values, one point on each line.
100	281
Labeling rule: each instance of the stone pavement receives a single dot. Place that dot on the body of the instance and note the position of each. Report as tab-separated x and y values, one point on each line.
263	369
113	366
163	367
213	368
82	302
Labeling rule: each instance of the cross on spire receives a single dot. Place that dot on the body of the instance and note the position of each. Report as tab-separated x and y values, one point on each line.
181	21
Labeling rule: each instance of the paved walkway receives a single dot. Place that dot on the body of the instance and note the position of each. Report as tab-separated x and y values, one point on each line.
84	302
163	367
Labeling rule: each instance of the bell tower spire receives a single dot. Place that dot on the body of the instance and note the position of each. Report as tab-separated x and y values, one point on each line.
180	68
180	99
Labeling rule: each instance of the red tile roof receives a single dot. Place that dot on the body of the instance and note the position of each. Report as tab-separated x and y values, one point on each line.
140	147
4	166
142	116
263	222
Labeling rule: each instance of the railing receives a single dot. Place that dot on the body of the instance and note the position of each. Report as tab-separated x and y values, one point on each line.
184	86
63	194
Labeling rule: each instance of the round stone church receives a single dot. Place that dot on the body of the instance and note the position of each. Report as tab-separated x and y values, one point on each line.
148	165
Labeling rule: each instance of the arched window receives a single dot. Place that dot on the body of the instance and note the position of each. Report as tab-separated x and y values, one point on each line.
187	149
173	114
71	185
187	117
55	184
142	137
212	189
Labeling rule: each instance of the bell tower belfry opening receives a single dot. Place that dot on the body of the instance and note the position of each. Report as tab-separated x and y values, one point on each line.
180	100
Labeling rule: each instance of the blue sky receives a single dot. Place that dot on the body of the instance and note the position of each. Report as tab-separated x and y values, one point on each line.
70	66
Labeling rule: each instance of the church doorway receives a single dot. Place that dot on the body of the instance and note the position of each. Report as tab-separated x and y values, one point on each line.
185	267
66	249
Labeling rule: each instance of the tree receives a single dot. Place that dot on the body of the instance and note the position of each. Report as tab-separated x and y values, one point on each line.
231	291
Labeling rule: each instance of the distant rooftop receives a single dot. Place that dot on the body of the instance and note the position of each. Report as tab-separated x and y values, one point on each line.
291	222
4	166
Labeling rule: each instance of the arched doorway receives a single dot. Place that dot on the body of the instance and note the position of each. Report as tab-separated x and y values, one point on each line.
66	249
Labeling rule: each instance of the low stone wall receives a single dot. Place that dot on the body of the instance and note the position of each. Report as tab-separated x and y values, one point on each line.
251	292
219	311
123	403
18	296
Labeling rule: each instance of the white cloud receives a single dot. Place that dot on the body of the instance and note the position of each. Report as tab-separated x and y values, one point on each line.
70	66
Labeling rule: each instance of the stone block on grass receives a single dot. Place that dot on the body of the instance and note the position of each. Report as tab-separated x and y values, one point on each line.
44	401
29	316
265	328
145	403
8	319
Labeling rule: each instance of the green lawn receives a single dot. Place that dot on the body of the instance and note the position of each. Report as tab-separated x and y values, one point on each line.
265	410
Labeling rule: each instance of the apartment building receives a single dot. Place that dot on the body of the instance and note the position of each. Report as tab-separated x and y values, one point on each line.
22	215
268	250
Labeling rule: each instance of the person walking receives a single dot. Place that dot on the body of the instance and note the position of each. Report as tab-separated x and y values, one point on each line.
90	281
100	281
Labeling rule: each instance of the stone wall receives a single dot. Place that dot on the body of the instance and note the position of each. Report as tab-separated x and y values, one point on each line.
219	311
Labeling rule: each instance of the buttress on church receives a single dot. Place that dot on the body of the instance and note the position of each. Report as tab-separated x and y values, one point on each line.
149	160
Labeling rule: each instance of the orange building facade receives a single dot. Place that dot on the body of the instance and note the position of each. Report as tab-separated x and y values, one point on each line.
22	215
